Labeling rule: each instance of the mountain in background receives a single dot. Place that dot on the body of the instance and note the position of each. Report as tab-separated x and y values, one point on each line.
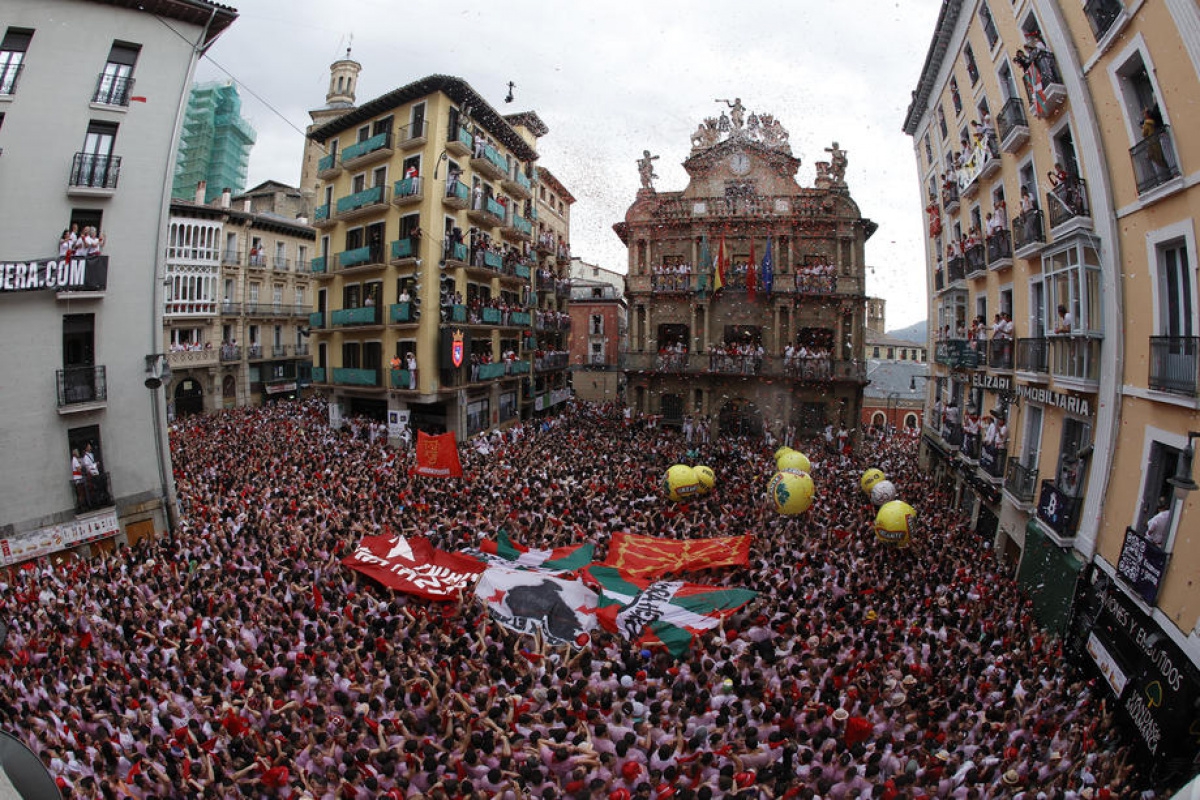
917	332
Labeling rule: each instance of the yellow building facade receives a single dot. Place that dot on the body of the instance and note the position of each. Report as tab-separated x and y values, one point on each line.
426	311
1058	167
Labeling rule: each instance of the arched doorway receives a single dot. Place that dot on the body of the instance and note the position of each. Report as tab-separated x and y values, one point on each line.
739	417
189	397
229	391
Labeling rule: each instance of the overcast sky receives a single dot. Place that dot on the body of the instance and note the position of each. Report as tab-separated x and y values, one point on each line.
612	79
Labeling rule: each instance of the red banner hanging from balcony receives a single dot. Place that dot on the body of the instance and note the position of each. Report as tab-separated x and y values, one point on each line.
437	456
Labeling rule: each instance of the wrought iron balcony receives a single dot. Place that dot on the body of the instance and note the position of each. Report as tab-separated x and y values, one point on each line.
970	446
231	352
956	269
957	354
456	251
1012	126
460	141
1154	160
975	257
991	461
950	198
1033	355
458	194
354	205
1066	202
1000	354
94	171
113	90
1020	481
999	249
80	385
1175	364
93	492
414	135
1058	509
404	313
1029	233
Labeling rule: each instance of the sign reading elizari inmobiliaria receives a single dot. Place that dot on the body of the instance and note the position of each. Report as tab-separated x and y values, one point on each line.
63	275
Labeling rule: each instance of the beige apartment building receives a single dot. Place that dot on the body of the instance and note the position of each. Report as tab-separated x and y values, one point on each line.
1058	163
439	262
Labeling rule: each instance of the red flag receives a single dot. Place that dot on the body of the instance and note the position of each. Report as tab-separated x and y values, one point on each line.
137	98
437	456
751	276
650	556
413	565
317	597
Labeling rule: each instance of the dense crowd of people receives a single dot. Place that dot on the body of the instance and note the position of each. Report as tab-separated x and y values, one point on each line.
237	657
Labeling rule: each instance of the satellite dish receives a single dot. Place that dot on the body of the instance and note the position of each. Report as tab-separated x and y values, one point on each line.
24	771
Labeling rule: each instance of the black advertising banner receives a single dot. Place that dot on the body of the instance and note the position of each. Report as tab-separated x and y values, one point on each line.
1154	681
88	274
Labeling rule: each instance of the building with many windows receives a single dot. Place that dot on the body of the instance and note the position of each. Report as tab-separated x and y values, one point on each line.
745	289
84	453
214	146
426	310
1056	151
599	318
238	299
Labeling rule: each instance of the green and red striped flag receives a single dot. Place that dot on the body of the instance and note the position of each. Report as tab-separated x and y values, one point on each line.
509	553
667	613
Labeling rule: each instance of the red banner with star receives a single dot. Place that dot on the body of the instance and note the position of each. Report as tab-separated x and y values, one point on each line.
437	456
651	557
414	566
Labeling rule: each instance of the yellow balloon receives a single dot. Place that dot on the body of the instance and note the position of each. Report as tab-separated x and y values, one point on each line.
870	478
782	450
791	491
894	523
681	483
706	477
793	460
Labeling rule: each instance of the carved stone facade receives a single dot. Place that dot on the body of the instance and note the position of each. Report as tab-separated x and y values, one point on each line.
746	289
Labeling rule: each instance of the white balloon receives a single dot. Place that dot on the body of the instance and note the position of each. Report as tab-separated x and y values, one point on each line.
883	492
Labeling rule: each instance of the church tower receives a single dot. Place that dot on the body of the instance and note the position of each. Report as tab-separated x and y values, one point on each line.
343	80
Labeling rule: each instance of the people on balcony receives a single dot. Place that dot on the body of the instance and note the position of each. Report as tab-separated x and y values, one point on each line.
1152	125
673	277
410	363
672	356
1065	324
816	278
807	362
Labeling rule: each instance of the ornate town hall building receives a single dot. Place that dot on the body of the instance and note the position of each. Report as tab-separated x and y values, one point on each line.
745	290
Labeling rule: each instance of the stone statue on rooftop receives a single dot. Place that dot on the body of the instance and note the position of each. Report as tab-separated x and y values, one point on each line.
646	169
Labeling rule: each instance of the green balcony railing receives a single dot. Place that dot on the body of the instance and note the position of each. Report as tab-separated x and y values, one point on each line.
327	162
359	199
522	225
376	142
520	318
318	374
523	271
465	137
317	264
403	248
489	372
352	258
400	379
457	252
493	155
402	312
520	368
407	187
491	316
493	260
460	190
354	316
348	376
524	181
321	213
316	320
458	313
494	208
